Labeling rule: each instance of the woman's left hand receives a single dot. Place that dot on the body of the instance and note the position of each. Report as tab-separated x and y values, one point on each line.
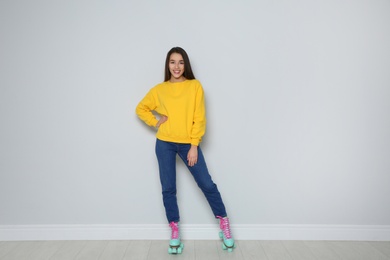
192	156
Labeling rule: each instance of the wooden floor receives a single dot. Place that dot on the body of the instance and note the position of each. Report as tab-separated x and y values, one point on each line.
194	249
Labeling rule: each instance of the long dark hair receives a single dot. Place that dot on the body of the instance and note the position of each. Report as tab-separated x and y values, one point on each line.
188	74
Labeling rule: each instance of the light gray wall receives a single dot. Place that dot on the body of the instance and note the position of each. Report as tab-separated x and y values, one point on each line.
297	93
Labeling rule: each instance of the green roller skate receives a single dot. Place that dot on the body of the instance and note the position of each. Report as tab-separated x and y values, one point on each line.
227	239
175	245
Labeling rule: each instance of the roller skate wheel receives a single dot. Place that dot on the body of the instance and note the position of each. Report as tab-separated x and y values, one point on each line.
172	250
230	250
224	246
175	249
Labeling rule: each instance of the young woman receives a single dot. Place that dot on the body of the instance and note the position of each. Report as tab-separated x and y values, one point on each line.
179	101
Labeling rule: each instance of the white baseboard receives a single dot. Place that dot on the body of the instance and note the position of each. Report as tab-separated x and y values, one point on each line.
193	232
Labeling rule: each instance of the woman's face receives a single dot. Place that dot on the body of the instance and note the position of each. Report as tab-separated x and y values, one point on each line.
176	67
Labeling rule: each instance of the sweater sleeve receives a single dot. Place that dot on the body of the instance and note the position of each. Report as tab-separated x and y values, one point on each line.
199	123
145	107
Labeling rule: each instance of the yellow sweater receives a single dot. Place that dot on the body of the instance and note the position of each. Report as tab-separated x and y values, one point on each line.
183	104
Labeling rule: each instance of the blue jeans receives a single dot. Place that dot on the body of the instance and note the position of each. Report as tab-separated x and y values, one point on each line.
166	155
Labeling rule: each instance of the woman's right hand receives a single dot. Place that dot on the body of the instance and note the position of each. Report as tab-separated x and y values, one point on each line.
162	120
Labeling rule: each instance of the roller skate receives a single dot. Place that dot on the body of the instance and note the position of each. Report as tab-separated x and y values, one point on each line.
175	245
227	239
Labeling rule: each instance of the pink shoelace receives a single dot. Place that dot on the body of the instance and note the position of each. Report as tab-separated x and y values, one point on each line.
225	226
175	230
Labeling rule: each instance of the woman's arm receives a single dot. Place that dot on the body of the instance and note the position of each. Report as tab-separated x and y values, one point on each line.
199	121
145	107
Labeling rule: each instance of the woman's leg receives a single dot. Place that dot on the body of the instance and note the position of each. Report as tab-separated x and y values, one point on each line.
202	177
166	156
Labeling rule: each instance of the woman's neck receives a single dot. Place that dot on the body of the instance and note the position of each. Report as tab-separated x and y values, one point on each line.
175	80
